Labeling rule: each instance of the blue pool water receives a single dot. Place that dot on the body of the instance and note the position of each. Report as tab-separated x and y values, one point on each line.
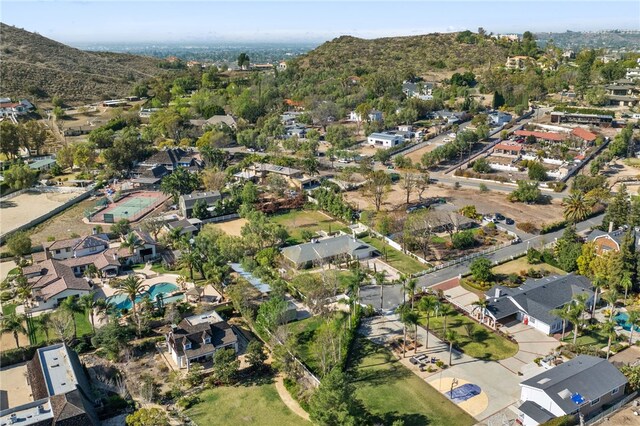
621	319
122	302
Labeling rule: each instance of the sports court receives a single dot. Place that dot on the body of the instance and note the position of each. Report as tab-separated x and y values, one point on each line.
131	207
465	395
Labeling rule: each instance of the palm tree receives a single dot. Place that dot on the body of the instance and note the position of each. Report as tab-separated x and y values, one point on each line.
563	314
609	330
451	336
13	323
410	285
403	313
611	297
88	302
380	278
428	305
576	208
132	287
598	283
189	259
626	284
632	320
44	320
575	312
71	306
132	242
445	310
482	304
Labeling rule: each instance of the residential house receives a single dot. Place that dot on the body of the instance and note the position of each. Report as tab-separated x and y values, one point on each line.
582	386
622	94
295	130
420	90
42	164
445	218
534	301
51	282
290	118
607	242
518	63
147	112
148	175
76	247
451	116
552	137
588	119
197	338
172	158
508	148
326	250
385	140
8	108
60	389
584	134
569	54
188	201
499	118
186	226
633	73
372	116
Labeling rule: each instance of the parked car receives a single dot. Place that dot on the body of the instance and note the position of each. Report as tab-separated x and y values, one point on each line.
509	221
498	217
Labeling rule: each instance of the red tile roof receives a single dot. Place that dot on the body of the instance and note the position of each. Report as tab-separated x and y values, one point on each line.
509	147
550	136
584	134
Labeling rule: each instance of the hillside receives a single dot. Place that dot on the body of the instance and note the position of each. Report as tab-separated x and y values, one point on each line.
34	66
418	54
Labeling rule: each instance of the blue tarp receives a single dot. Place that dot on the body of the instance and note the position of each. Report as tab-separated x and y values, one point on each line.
577	398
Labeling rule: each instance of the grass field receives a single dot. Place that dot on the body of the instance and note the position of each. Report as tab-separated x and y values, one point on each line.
521	264
589	338
296	221
243	405
391	392
482	343
402	262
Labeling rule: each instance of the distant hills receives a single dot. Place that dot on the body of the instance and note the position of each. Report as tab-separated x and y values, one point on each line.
37	67
616	40
413	53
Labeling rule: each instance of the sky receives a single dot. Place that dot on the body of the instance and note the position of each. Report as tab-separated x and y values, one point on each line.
290	21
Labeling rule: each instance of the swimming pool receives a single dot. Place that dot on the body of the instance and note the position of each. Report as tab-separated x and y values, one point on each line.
121	301
621	319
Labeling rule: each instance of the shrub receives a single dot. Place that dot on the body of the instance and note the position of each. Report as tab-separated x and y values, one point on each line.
533	256
481	269
5	296
527	227
481	165
463	240
552	227
483	187
188	401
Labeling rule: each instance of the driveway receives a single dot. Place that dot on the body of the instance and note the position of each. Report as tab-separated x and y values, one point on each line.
532	344
388	298
500	387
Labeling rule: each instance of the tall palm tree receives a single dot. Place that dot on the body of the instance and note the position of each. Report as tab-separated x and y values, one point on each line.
410	286
89	303
626	284
445	310
403	312
575	312
481	303
598	284
72	307
632	320
132	242
611	297
44	320
609	330
189	259
132	287
13	323
428	305
563	314
380	278
451	336
576	207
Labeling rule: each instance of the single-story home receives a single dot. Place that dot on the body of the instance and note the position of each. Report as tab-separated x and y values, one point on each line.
534	301
42	164
188	201
508	148
584	134
385	140
325	250
197	338
545	136
584	385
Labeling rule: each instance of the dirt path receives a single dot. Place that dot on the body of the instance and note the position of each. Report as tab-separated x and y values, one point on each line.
288	400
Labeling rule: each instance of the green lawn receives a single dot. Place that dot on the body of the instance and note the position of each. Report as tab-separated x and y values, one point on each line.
8	308
482	343
390	391
297	220
402	262
243	405
521	264
588	338
83	324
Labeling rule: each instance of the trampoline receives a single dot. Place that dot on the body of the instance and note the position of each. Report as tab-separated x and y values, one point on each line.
463	393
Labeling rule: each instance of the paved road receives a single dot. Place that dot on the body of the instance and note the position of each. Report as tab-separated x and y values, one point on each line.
514	250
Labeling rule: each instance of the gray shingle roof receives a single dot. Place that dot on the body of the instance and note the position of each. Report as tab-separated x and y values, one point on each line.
536	412
325	249
589	376
190	199
539	297
616	235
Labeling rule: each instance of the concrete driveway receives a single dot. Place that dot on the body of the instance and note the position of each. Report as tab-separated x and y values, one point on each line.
532	344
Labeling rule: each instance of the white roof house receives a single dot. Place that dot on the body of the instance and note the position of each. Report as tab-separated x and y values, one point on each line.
385	140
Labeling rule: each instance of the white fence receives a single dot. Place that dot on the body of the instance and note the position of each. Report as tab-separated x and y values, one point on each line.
598	418
394	244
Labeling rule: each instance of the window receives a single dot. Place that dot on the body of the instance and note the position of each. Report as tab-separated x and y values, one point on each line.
595	402
615	391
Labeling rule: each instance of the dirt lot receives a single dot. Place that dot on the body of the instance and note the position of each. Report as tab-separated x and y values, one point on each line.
231	227
14	386
416	156
485	202
624	417
28	206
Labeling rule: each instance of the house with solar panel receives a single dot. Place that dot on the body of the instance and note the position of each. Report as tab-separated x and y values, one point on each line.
583	386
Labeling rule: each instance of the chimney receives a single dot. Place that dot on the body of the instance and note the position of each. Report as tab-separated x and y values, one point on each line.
94	231
610	226
497	293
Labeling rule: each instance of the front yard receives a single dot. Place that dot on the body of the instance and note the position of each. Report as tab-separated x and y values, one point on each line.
295	221
398	260
474	339
243	405
391	392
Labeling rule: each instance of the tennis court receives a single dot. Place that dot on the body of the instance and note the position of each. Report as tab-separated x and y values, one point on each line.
131	207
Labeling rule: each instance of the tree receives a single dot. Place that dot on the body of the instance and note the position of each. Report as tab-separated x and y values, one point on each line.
536	171
181	181
89	304
256	356
627	283
14	324
451	337
527	192
481	269
71	306
249	194
36	135
131	287
609	330
243	61
618	209
20	176
113	338
131	241
409	183
271	314
213	179
225	365
633	320
428	304
147	417
200	210
19	244
334	403
121	227
576	208
85	155
377	187
11	138
481	165
445	310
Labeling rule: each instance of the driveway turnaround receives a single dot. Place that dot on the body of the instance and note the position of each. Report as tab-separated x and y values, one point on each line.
532	344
